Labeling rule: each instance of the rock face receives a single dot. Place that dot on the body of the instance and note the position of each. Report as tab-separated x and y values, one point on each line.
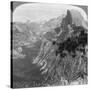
64	29
68	19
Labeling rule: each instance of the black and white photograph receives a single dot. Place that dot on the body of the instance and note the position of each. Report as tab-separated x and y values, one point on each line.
49	44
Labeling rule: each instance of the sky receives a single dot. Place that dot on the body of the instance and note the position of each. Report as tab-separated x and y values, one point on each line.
38	11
